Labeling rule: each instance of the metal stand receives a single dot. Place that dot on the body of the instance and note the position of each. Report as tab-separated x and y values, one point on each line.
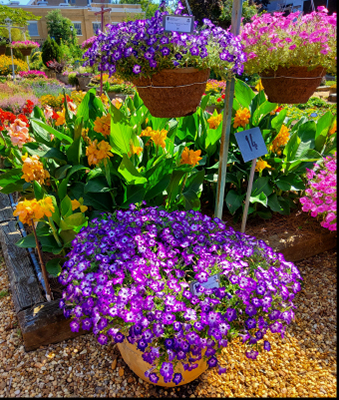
248	195
226	125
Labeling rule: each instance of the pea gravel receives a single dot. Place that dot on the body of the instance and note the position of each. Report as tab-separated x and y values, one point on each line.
303	364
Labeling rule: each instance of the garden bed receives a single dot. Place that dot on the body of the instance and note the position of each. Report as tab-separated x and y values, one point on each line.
297	236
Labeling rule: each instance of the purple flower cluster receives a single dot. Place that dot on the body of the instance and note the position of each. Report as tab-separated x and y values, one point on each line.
143	47
128	277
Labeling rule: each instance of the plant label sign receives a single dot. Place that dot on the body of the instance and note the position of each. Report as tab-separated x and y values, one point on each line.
212	282
251	144
178	23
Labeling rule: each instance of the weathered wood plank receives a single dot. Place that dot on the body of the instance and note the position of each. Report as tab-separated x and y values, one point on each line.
308	248
45	324
6	211
24	284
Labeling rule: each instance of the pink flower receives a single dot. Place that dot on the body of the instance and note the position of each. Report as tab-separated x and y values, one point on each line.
322	9
293	47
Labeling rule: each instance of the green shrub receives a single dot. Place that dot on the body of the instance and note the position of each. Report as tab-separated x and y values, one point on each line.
50	51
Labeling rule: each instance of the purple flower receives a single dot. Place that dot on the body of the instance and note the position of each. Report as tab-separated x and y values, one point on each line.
153	377
194	50
166	369
221	370
119	337
177	378
102	339
252	354
165	51
250	310
212	362
169	343
231	314
251	323
267	345
74	326
137	69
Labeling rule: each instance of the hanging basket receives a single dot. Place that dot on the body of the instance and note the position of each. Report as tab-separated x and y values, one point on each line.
26	52
173	93
133	358
2	50
292	85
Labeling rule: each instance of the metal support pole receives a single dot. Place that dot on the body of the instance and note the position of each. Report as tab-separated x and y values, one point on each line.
10	39
226	124
27	57
248	195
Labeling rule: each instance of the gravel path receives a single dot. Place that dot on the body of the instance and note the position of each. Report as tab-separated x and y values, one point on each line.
301	365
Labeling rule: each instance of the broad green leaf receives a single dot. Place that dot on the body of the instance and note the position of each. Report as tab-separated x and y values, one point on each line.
55	154
274	204
39	192
259	198
262	185
204	102
262	111
12	176
74	151
158	188
278	121
234	201
38	113
61	172
121	138
130	173
133	195
53	266
67	236
324	124
62	191
97	185
48	128
102	202
13	187
26	242
66	207
90	107
243	93
291	147
74	220
307	133
56	213
173	187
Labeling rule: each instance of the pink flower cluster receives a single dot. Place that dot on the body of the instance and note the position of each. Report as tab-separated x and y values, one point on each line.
27	44
308	40
88	43
32	73
321	194
18	132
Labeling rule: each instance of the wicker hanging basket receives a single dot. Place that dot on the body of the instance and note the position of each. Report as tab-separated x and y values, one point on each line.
173	93
26	52
133	358
292	85
2	50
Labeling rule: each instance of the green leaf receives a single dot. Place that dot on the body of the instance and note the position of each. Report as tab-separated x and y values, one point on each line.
38	113
291	147
243	93
26	242
273	203
56	213
38	190
204	102
55	154
102	202
90	107
234	201
66	207
130	173
307	132
53	266
173	187
262	185
74	220
13	187
133	195
324	124
290	182
48	128
12	176
278	121
61	172
74	151
97	185
259	198
67	236
62	191
262	111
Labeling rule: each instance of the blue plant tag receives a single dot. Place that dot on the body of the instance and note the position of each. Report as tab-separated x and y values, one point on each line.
178	23
251	144
212	282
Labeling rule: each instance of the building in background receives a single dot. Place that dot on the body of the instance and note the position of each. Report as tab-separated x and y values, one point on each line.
301	5
80	12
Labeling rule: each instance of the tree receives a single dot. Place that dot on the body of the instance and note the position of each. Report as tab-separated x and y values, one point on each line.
59	27
50	51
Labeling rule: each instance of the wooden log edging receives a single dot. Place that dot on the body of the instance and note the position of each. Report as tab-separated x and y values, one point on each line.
43	323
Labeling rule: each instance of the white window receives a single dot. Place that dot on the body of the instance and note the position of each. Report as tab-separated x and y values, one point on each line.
77	28
96	26
33	28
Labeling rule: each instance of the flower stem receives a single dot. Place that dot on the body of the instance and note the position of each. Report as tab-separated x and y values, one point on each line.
54	231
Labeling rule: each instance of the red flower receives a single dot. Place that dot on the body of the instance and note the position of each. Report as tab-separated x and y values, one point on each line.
23	118
218	99
55	115
223	96
28	107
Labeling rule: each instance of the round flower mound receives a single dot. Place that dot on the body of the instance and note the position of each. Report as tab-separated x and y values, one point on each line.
321	194
128	277
143	47
306	40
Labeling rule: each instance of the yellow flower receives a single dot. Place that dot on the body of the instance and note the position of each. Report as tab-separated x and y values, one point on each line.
76	204
61	120
333	128
27	210
214	121
261	165
259	86
33	169
280	140
103	125
159	137
242	117
190	157
134	150
146	132
104	99
96	152
117	103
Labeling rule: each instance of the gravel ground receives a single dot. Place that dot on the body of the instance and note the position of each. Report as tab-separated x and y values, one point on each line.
301	365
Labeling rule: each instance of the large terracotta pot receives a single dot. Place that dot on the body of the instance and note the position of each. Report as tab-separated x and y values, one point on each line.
173	93
26	52
133	358
291	85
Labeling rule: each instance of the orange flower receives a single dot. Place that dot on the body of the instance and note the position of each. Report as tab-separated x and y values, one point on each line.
242	117
333	128
79	204
117	103
61	118
159	137
146	132
18	132
33	169
214	121
27	210
261	165
280	140
103	125
190	157
135	150
96	152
